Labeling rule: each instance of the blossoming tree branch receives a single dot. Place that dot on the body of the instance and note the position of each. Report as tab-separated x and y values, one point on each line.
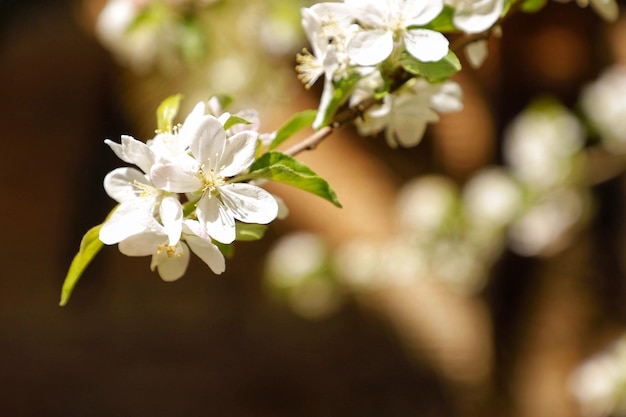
196	186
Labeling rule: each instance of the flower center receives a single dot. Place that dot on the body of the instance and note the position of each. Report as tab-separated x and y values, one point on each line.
170	251
145	189
210	181
309	68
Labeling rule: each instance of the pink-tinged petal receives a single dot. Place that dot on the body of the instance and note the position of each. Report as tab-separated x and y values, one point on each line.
426	45
171	213
208	252
175	178
217	220
208	142
370	47
142	244
239	153
134	152
120	184
249	203
173	266
129	218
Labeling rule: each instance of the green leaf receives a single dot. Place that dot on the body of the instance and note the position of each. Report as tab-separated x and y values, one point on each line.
235	120
298	122
167	110
341	91
90	245
249	231
227	249
532	6
432	71
283	168
442	23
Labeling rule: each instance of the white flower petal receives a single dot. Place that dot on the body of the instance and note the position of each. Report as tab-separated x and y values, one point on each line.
173	267
419	13
208	142
142	244
476	53
175	177
325	99
208	252
372	13
239	153
217	220
407	131
191	123
119	184
249	203
129	218
133	151
448	98
171	213
426	45
477	16
371	47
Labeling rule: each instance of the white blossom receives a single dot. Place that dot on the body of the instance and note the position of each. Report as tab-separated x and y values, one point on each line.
404	115
214	159
539	146
603	102
165	242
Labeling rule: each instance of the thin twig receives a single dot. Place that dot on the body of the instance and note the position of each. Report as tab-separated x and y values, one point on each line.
310	142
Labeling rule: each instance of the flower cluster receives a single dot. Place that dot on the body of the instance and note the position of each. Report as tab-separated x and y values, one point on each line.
392	51
184	192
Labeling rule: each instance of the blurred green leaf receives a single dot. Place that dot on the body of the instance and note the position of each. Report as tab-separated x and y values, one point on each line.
532	6
249	231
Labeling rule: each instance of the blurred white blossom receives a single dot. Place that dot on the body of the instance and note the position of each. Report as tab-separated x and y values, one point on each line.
541	143
599	384
603	103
